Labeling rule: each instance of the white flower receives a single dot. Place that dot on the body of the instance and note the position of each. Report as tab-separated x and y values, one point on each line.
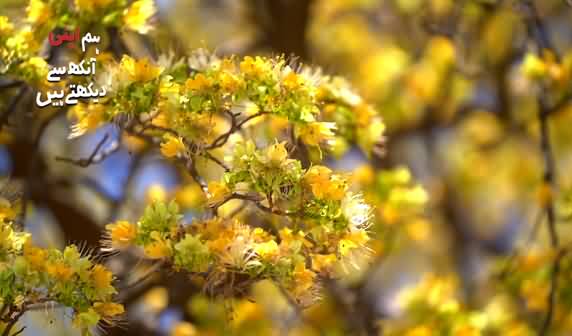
356	211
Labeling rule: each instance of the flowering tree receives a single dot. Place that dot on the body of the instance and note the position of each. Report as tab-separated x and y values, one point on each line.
270	224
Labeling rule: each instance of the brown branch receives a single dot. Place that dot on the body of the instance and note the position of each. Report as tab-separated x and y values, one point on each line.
96	156
537	32
12	322
234	127
256	200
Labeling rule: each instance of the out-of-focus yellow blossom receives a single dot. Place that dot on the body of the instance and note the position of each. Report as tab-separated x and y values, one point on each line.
441	51
108	310
533	66
544	194
172	146
136	17
6	27
245	312
7	210
183	329
419	230
535	293
422	330
190	196
315	133
532	260
218	192
364	175
38	12
91	5
122	233
467	330
138	70
156	193
34	69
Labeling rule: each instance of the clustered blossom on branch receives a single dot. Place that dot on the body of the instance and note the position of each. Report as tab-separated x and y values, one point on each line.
31	276
186	101
325	224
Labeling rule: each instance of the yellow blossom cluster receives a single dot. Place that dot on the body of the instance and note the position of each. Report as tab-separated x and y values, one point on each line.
30	275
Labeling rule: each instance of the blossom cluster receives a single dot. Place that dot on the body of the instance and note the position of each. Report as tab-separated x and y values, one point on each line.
31	276
434	307
324	231
192	96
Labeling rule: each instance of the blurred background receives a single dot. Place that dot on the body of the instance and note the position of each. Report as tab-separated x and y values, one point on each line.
454	84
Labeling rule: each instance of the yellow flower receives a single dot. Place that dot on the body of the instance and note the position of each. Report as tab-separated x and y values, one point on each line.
159	248
91	5
290	239
324	184
108	309
6	27
323	262
352	241
533	66
7	211
255	67
277	154
156	193
467	330
364	113
183	329
189	196
314	133
198	83
38	12
122	233
364	175
34	256
267	250
303	279
218	192
535	294
136	16
35	69
291	81
59	271
173	146
138	70
89	116
229	82
420	331
160	120
101	276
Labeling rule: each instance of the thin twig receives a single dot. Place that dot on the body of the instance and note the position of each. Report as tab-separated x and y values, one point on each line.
96	156
537	31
